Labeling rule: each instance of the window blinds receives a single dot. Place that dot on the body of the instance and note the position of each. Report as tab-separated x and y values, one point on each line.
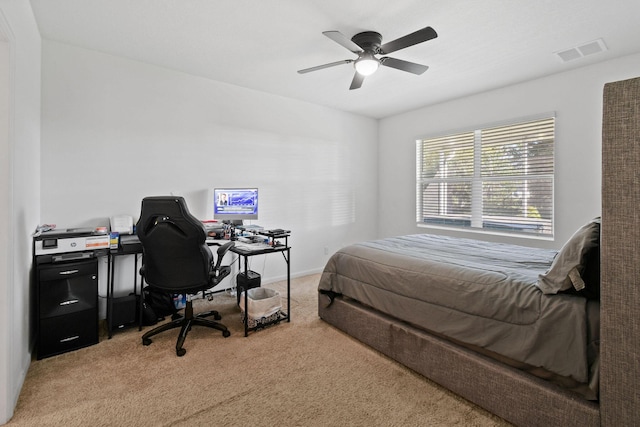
499	178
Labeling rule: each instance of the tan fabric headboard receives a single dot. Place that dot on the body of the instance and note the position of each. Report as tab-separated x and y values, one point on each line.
620	252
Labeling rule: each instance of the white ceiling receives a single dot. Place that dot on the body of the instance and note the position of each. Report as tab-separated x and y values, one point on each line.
260	44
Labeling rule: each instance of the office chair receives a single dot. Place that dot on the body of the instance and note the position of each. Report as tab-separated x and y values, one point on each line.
176	259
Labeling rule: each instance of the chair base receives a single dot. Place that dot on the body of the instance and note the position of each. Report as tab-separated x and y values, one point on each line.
185	323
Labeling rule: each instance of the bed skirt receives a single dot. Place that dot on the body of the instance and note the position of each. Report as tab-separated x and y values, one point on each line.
517	397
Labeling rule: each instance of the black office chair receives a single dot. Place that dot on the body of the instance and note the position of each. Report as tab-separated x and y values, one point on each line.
176	259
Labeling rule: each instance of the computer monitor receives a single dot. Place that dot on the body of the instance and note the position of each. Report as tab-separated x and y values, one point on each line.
235	204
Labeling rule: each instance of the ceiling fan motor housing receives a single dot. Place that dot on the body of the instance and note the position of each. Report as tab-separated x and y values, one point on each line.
369	41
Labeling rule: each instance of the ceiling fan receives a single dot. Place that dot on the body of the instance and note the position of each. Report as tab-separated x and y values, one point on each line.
369	44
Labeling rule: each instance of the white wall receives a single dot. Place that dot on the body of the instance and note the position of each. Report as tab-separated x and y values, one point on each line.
19	191
576	98
116	130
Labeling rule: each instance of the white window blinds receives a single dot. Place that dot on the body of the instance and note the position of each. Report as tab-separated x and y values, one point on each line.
499	179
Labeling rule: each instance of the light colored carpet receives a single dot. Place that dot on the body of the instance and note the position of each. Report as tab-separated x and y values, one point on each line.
303	373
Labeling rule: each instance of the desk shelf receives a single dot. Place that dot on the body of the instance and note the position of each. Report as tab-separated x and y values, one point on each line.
281	317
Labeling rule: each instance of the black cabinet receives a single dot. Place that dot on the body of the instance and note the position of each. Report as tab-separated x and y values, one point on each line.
67	306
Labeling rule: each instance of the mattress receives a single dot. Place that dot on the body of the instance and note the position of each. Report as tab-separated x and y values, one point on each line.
473	292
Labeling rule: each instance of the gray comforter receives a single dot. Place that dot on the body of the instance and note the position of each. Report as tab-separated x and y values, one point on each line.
479	293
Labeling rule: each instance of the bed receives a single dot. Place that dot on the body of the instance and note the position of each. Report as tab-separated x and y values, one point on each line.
515	330
482	295
494	300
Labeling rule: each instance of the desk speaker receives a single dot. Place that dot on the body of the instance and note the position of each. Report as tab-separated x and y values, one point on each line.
246	281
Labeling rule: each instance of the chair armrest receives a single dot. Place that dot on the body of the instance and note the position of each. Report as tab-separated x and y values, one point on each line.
222	250
216	276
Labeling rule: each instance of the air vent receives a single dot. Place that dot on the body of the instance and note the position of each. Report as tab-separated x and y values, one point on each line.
581	51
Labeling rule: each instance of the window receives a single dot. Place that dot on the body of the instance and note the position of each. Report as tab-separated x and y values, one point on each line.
497	179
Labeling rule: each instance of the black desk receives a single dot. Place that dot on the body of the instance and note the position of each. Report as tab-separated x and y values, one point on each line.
244	254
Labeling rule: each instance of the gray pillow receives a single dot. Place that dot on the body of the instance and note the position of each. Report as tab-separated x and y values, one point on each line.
569	264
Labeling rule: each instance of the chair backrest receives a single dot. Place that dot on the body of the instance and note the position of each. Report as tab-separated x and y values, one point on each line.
175	256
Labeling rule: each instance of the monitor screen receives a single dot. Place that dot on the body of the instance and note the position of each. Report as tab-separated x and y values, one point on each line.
235	203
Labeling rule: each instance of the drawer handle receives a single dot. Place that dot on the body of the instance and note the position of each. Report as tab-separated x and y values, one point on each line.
69	302
68	272
70	338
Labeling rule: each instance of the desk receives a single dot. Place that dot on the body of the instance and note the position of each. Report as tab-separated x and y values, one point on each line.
244	254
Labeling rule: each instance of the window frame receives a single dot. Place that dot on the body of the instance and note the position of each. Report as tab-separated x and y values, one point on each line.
474	223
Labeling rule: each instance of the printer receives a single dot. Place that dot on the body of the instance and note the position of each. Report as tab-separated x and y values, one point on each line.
70	244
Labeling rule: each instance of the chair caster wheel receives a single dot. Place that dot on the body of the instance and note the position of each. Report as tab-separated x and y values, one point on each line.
181	352
146	341
226	334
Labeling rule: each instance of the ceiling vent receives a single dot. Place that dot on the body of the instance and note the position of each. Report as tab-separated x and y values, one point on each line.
581	51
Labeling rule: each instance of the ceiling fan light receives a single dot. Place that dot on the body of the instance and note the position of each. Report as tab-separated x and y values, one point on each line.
367	64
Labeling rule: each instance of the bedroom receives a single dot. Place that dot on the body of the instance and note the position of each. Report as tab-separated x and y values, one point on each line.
110	113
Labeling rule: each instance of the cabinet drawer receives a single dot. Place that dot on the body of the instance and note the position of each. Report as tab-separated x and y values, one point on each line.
64	333
68	270
67	289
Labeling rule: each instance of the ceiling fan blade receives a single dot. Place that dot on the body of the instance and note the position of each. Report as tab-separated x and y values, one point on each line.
399	64
356	83
342	40
427	33
320	67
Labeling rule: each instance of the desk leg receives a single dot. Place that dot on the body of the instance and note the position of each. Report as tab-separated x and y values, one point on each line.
287	260
135	275
110	279
135	290
288	284
246	299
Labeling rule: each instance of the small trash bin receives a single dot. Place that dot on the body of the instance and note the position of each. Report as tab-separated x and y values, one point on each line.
264	306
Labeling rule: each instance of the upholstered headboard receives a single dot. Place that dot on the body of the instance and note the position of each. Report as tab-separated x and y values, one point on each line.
620	252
